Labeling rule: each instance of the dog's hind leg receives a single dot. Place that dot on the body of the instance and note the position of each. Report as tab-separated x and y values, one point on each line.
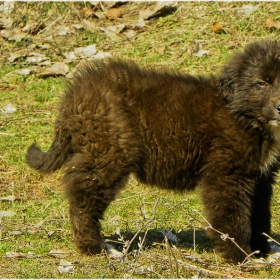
91	184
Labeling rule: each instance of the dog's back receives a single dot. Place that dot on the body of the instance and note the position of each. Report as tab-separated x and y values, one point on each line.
151	121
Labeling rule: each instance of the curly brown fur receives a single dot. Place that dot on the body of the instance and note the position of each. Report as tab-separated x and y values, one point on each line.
177	132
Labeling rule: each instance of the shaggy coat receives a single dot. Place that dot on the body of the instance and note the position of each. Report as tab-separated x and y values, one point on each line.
177	132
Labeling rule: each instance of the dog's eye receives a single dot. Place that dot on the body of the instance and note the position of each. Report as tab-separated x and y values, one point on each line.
262	85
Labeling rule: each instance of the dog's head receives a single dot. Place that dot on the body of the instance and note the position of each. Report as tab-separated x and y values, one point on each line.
250	82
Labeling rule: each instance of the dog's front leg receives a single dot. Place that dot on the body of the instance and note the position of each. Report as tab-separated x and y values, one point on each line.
228	207
261	215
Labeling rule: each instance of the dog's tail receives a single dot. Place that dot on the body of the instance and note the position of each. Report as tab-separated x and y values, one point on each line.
54	158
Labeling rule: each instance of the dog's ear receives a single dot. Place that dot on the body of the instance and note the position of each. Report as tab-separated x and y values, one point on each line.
225	85
229	77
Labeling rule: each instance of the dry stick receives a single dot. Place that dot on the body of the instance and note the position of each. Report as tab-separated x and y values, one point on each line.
182	257
139	230
50	25
138	253
77	13
185	265
7	121
194	244
0	227
169	249
224	236
129	197
169	258
194	239
176	263
126	198
6	134
55	44
248	257
200	269
143	210
271	238
53	23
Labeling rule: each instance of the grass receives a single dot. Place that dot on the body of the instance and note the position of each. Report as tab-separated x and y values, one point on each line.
41	224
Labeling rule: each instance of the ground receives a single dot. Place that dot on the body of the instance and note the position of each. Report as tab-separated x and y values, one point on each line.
162	234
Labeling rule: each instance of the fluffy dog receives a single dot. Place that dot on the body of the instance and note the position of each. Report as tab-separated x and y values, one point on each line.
177	132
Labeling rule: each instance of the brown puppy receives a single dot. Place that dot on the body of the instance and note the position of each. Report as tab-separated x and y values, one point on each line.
177	132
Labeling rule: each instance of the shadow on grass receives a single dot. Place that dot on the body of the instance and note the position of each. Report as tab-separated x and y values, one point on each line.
186	240
198	240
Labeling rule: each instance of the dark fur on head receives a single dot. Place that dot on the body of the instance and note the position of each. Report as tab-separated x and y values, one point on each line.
177	132
259	63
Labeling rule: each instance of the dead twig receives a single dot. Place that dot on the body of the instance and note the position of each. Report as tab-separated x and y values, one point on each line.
271	239
170	252
125	251
6	134
169	258
224	236
140	245
197	268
